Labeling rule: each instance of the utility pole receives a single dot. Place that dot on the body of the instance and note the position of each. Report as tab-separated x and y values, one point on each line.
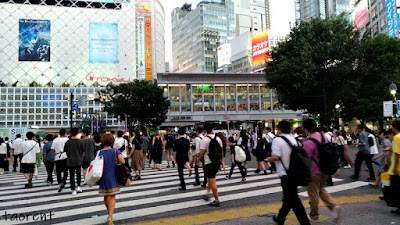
71	100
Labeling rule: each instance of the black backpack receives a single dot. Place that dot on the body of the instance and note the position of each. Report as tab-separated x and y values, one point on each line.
300	164
370	141
328	156
8	149
214	150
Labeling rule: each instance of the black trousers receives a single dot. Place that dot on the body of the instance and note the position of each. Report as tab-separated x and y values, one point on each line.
15	164
181	166
241	169
341	155
49	168
197	175
291	201
72	171
61	168
359	159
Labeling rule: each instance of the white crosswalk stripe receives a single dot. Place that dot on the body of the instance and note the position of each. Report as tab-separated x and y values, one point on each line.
156	193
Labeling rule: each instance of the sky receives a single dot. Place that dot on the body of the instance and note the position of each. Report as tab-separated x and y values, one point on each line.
281	13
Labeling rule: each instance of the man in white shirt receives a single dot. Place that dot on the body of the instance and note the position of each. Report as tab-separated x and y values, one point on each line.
17	152
197	140
61	159
122	145
210	168
30	151
268	136
281	152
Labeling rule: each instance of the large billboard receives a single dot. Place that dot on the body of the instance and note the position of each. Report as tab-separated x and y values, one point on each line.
148	46
224	54
141	50
391	18
259	48
34	40
103	44
359	17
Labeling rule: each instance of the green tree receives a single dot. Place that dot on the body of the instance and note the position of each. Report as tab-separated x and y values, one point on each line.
379	66
140	102
315	67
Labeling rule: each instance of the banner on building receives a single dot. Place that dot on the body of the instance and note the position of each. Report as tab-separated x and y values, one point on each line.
103	44
141	52
259	48
391	18
34	40
359	17
387	108
148	48
224	54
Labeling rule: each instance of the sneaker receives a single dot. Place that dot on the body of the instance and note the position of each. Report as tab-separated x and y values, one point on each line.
243	179
138	178
173	164
227	177
60	187
215	204
204	185
168	166
48	183
347	167
314	220
265	172
205	198
78	189
73	192
196	184
257	171
182	189
338	215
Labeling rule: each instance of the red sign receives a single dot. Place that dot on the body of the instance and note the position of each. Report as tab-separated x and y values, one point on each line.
92	77
148	48
259	48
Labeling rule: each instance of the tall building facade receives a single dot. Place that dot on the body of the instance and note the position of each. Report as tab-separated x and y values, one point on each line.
196	34
307	9
252	15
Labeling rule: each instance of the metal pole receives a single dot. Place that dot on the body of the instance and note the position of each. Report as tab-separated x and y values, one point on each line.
71	103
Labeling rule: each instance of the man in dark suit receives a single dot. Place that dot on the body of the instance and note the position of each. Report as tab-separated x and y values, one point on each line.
182	147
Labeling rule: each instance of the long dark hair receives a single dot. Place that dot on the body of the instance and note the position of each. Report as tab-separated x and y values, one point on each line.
137	137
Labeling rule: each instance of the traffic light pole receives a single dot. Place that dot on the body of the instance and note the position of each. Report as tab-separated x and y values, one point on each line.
71	100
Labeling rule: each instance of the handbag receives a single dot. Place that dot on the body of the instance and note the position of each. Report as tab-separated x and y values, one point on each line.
95	170
124	178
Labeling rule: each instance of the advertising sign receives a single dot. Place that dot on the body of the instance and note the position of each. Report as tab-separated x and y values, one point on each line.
143	6
34	40
224	55
141	49
359	17
103	44
148	47
387	108
259	48
391	17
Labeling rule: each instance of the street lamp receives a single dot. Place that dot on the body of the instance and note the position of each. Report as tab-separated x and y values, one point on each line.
393	91
337	107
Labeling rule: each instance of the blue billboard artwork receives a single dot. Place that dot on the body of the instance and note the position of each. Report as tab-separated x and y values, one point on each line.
391	17
34	40
103	44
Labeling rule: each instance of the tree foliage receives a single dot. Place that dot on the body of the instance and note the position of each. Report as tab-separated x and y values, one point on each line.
315	67
141	102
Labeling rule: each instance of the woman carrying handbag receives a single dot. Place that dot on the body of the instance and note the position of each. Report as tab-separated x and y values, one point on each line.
108	184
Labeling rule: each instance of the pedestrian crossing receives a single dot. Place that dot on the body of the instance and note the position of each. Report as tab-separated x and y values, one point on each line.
156	194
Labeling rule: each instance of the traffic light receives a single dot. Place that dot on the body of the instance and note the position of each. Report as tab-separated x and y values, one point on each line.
102	100
220	121
83	126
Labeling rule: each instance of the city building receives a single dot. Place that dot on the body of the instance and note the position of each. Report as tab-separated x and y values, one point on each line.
52	49
252	15
307	9
196	34
240	101
150	23
241	51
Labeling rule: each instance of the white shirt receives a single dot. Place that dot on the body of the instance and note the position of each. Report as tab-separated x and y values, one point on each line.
197	143
3	148
329	137
269	137
10	144
373	150
58	146
205	144
281	149
17	146
29	156
119	142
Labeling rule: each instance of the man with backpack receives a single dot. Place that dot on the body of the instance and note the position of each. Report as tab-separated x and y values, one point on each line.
169	145
363	154
281	154
316	188
211	150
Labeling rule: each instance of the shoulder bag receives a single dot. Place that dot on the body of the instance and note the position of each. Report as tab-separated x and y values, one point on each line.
122	173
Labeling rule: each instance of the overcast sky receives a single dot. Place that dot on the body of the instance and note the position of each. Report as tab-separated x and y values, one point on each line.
282	12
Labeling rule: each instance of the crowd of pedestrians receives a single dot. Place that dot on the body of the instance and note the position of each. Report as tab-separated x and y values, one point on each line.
72	154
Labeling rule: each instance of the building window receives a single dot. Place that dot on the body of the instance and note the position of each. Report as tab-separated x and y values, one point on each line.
265	98
242	97
186	97
174	98
197	96
254	97
231	97
220	97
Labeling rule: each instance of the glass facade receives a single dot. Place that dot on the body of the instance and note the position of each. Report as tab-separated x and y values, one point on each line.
222	98
47	107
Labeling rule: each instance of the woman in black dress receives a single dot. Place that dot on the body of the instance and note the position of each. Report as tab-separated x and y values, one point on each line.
243	142
156	155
